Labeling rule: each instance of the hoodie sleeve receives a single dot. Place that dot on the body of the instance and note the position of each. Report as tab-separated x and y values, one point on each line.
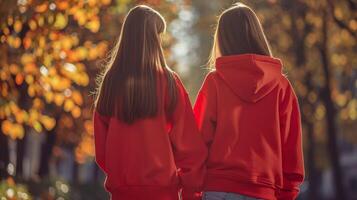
188	148
292	163
205	110
100	135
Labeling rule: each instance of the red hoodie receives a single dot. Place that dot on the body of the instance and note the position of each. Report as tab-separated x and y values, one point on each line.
152	158
249	117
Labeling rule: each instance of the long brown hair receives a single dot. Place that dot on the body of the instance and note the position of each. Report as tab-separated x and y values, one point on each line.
238	31
128	87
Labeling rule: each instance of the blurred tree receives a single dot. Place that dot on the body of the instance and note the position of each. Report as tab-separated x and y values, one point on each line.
306	37
42	61
50	52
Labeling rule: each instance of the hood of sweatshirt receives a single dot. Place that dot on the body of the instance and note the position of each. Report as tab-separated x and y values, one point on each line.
250	76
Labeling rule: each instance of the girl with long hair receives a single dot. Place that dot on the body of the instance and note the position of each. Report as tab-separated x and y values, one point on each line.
248	115
146	139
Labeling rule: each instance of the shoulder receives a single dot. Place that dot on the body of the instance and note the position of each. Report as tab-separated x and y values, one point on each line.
209	82
179	83
211	75
284	81
176	77
100	117
286	89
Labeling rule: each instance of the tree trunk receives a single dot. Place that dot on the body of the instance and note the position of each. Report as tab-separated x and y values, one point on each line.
20	147
46	153
311	165
298	11
4	154
330	113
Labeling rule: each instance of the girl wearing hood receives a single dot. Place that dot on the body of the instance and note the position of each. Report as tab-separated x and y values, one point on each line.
249	117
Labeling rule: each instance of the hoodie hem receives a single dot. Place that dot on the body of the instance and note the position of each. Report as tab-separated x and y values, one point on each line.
223	184
144	193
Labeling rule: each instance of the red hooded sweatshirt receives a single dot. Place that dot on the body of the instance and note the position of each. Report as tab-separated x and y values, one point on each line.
249	117
152	158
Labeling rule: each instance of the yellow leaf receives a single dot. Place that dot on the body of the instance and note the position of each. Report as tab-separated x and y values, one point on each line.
18	26
93	25
11	41
29	79
47	60
353	24
7	110
10	20
49	97
30	68
42	41
59	98
84	79
4	75
27	41
41	21
54	35
37	103
31	91
6	127
17	42
6	31
80	16
68	105
55	82
14	69
52	71
88	126
2	113
81	53
77	98
33	116
62	5
93	53
61	21
101	49
32	24
66	43
42	7
92	2
37	126
19	79
76	112
48	122
13	130
27	58
5	88
17	131
13	107
21	117
106	2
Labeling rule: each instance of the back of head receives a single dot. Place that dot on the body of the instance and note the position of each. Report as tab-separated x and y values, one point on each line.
251	76
139	44
239	31
128	86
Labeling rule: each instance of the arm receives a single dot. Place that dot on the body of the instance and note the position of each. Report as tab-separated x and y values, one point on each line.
188	148
293	164
205	110
100	135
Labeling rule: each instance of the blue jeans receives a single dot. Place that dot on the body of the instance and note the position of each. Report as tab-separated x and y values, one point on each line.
225	196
